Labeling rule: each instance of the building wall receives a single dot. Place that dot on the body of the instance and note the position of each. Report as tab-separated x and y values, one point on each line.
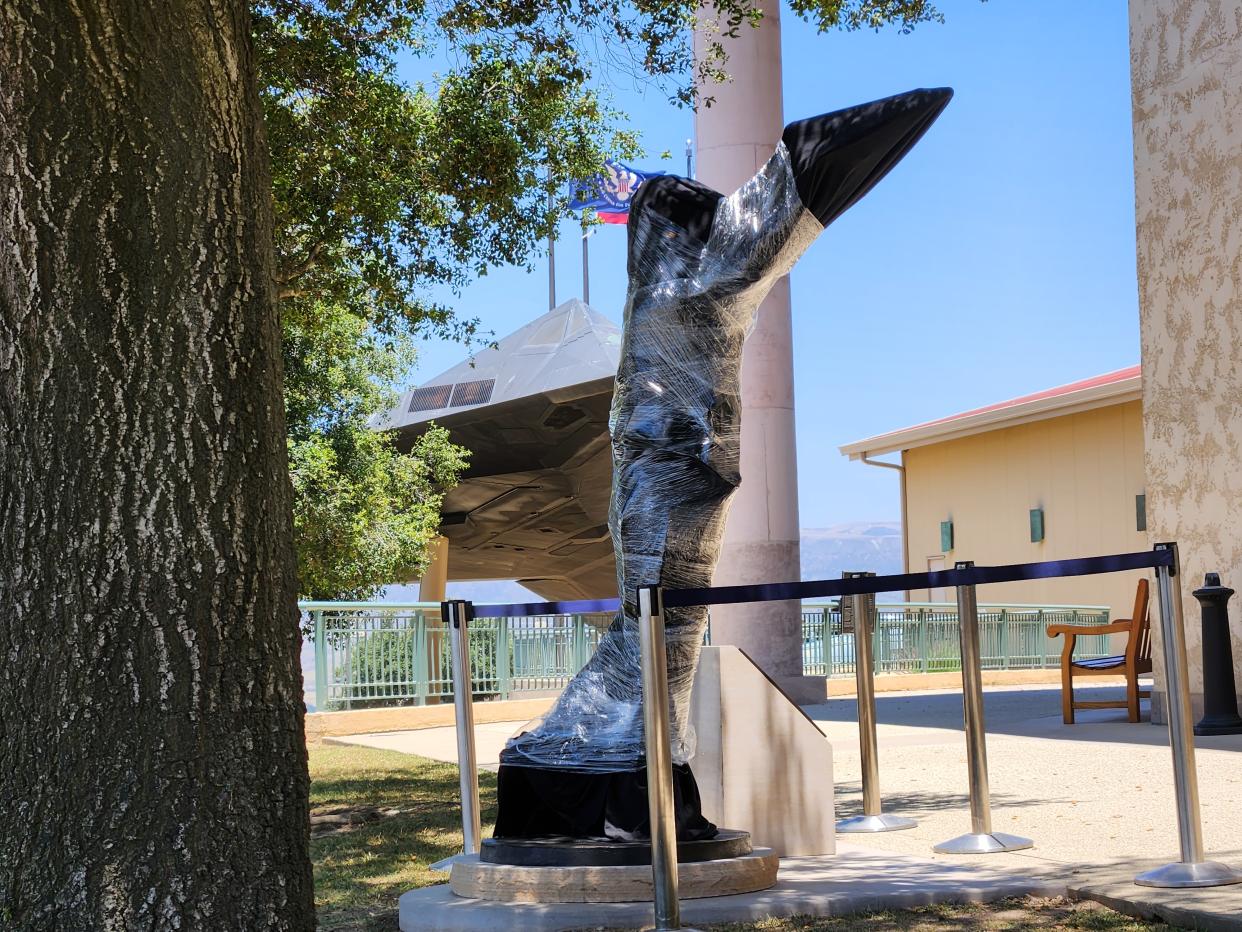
1186	79
1083	469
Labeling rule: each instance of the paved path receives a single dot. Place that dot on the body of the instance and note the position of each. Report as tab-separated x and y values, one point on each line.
440	743
1096	798
1096	793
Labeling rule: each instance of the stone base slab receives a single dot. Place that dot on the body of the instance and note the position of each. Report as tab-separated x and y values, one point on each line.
508	883
549	852
854	880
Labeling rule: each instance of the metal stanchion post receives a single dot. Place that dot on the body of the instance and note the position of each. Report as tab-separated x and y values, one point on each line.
1192	870
980	839
862	608
659	759
457	615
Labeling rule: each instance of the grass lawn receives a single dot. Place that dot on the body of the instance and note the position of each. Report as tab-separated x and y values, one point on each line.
378	818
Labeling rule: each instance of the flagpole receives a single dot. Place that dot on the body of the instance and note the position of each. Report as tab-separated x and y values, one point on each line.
551	261
586	268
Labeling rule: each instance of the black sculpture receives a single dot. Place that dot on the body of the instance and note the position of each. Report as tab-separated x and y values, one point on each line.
699	266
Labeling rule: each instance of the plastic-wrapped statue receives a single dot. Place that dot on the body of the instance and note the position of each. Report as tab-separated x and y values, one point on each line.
700	264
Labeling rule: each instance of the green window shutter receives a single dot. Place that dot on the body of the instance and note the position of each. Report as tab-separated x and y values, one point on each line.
1140	512
946	536
1037	525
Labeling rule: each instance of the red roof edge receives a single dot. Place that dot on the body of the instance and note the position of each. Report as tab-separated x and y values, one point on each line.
1121	375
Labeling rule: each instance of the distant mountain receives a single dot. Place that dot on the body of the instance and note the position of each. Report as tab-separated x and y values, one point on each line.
864	545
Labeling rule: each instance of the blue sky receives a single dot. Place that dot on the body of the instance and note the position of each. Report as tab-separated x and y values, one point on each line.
997	259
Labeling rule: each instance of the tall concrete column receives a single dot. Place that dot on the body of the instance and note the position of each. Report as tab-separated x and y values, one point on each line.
735	136
1186	71
434	582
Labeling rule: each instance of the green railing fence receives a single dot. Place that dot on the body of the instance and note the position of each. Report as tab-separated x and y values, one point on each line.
382	653
922	637
370	654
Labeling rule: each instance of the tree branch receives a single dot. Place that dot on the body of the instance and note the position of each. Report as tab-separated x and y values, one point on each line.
311	260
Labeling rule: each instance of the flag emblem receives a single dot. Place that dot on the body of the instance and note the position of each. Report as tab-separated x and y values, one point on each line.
609	193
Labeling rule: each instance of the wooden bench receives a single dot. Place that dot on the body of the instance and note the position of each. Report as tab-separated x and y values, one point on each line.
1135	660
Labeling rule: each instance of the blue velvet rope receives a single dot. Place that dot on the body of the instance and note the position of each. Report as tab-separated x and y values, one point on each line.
526	609
969	576
826	588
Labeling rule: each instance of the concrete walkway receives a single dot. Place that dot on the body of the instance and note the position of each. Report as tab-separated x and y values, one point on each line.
1100	791
440	743
1096	797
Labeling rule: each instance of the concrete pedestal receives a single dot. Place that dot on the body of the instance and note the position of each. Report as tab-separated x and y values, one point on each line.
761	764
507	883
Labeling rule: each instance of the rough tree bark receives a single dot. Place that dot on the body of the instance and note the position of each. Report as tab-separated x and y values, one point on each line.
152	765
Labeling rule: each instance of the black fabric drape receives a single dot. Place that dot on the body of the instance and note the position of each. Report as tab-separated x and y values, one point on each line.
537	802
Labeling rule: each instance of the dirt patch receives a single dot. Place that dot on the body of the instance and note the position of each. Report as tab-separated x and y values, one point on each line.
1050	915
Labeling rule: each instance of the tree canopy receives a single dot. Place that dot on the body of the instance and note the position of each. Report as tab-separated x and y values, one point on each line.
363	511
388	192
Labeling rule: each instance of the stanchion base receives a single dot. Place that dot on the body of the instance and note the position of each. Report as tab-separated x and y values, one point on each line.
983	844
1182	874
875	823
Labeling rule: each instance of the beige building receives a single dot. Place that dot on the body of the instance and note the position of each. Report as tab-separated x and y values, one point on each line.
1048	476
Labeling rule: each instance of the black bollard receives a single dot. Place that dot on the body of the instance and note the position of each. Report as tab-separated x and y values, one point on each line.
1220	698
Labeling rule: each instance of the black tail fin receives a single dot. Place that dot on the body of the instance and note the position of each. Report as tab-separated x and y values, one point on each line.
839	157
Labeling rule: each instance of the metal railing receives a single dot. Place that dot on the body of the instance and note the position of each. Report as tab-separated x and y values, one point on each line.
1192	870
383	653
922	637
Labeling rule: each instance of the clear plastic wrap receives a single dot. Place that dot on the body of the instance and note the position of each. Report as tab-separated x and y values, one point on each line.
675	427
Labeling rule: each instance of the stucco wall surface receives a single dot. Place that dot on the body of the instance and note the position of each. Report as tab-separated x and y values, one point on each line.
1186	67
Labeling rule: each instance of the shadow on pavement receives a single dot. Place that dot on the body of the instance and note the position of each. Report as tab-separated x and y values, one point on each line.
1032	713
849	801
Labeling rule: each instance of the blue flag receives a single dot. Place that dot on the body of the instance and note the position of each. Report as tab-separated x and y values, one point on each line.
609	193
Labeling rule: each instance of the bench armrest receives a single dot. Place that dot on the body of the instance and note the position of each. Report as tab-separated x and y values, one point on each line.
1077	630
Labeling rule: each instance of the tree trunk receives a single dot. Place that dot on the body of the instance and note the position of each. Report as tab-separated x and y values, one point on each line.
152	763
